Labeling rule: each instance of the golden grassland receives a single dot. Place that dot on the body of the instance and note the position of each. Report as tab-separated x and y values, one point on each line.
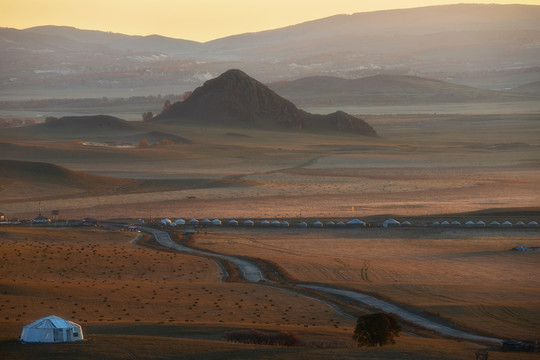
419	165
138	302
468	276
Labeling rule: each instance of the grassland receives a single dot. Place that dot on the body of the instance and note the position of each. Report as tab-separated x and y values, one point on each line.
138	302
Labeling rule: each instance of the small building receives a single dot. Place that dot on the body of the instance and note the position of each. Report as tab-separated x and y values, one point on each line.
180	222
330	224
189	231
276	223
216	222
249	223
302	224
206	222
285	224
455	223
480	224
265	223
406	223
390	223
532	224
495	224
470	223
232	222
520	224
356	222
436	224
41	220
445	223
318	224
506	224
51	329
193	222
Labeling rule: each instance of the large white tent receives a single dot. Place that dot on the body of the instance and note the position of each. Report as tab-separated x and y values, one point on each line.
51	329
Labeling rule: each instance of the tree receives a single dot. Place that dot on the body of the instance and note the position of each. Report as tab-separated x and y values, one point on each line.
376	329
166	105
143	143
147	116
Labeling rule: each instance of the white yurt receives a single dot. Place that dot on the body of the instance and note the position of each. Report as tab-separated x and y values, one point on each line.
406	223
51	329
265	223
302	224
520	224
180	222
193	222
445	223
232	222
532	224
166	222
340	223
436	224
356	222
494	224
206	222
216	222
330	224
480	224
318	224
276	223
507	224
249	223
470	223
390	223
455	223
285	224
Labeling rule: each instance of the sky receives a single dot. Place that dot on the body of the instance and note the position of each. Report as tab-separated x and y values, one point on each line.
199	20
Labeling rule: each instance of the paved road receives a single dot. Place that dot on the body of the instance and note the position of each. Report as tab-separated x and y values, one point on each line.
252	273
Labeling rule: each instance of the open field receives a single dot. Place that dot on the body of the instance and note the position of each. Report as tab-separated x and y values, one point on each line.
468	276
136	302
420	165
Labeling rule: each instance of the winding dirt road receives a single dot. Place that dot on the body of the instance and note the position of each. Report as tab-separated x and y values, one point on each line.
252	273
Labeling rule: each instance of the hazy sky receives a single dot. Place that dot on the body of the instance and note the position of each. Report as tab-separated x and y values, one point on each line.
199	20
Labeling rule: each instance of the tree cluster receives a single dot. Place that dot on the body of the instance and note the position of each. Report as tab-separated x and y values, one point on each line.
376	329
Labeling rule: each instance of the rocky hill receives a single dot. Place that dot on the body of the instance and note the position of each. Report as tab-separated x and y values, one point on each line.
234	98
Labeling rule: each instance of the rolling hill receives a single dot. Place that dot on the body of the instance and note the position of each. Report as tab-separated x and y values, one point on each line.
96	128
37	177
234	98
434	41
381	89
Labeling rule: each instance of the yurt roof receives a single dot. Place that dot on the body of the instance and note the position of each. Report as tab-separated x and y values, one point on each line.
51	322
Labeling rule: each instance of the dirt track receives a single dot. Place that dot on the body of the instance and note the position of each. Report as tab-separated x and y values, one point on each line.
252	273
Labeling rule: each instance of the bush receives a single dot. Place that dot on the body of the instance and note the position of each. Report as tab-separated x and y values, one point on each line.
283	338
376	329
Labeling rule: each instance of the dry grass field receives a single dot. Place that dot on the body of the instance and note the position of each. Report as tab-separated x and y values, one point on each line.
467	276
421	164
138	302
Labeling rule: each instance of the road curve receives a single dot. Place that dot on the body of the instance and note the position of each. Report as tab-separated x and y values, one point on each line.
402	313
252	273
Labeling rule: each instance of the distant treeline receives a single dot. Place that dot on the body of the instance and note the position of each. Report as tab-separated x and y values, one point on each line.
89	102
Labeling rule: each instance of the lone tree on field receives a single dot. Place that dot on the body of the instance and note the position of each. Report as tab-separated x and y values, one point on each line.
376	329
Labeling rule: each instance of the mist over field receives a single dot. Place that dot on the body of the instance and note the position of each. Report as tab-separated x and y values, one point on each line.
171	196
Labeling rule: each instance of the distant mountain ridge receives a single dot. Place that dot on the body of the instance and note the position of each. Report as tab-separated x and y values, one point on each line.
381	89
234	98
433	41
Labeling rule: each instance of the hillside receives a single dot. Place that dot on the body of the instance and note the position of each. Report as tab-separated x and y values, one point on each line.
46	180
451	41
95	128
234	98
381	89
532	88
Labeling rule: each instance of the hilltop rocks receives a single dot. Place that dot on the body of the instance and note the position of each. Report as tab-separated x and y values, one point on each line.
234	98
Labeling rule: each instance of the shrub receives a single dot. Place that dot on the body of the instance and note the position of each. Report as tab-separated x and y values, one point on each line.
283	338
